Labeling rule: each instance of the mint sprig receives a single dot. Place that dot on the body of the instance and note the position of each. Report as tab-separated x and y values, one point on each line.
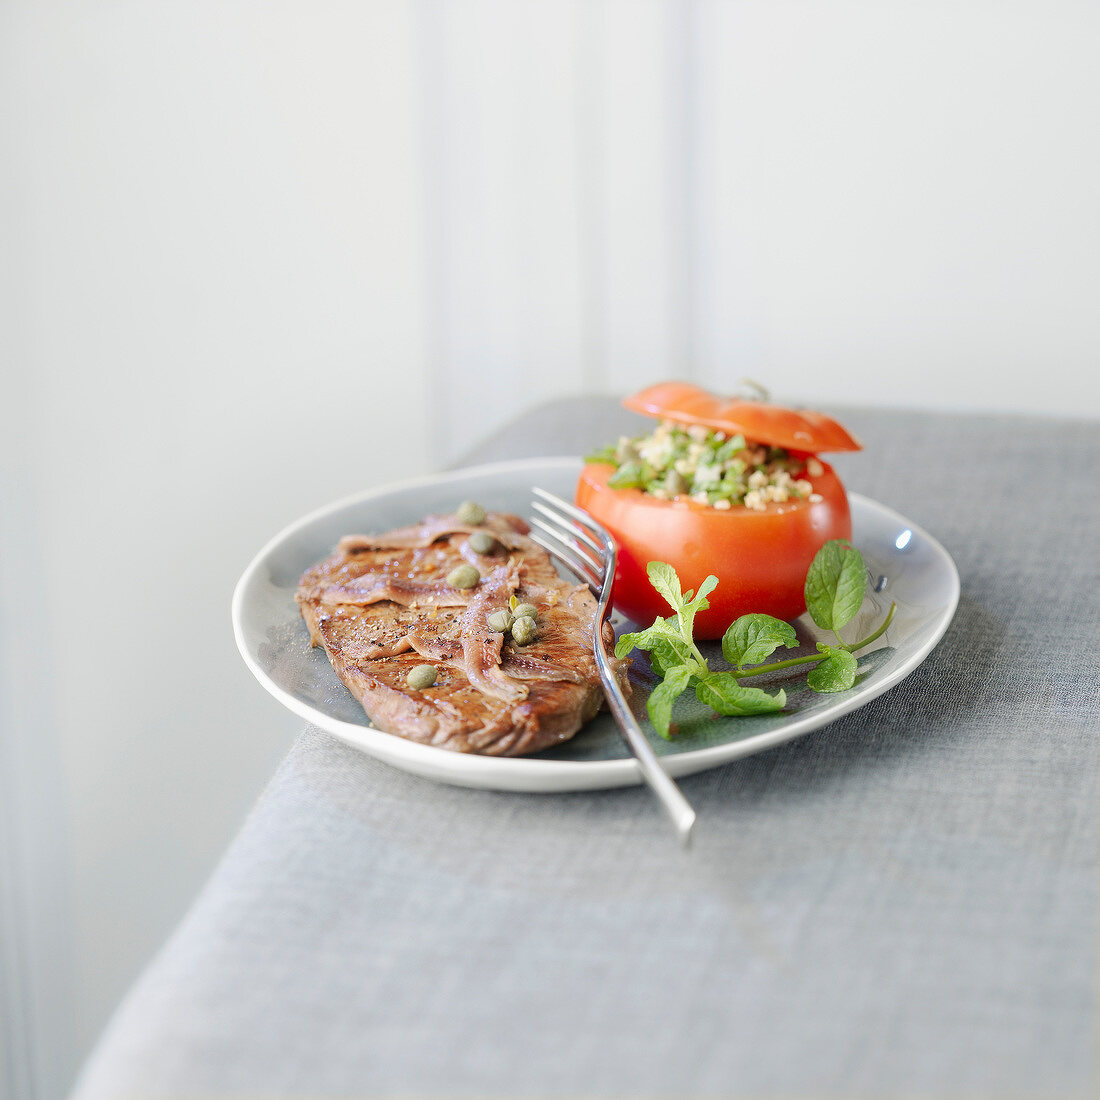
675	657
835	587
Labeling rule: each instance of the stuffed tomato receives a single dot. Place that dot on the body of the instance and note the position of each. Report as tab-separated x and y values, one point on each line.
723	487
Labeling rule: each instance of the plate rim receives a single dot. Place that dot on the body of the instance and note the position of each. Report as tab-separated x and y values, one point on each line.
532	773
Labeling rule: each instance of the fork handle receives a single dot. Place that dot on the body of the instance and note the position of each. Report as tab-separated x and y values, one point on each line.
672	799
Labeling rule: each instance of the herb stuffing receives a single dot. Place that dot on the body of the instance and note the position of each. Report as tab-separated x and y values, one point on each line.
835	586
709	467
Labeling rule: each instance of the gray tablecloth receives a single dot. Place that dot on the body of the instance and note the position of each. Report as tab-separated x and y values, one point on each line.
902	903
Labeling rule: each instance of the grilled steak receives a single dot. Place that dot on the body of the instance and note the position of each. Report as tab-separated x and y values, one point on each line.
381	605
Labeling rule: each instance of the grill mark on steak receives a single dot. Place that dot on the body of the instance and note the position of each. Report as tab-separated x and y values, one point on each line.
379	605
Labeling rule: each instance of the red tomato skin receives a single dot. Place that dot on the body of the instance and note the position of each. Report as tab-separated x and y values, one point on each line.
759	421
759	558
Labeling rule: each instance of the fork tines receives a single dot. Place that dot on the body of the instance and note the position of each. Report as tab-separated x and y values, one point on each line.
567	540
577	541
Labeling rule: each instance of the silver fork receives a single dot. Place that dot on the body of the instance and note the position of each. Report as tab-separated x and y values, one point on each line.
584	546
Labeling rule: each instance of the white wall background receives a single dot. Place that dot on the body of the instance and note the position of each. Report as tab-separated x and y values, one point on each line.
235	237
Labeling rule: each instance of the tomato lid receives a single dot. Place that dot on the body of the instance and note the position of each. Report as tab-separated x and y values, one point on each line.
795	429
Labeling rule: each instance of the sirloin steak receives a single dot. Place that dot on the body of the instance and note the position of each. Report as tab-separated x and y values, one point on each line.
381	605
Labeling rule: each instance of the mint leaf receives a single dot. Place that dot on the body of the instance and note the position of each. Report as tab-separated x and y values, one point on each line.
752	638
626	643
663	578
665	643
662	629
687	613
707	587
835	584
667	652
661	698
721	692
837	672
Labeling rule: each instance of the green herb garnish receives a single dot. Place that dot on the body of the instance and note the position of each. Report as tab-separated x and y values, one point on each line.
835	586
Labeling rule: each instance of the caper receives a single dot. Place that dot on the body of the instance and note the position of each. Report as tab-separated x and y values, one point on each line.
463	576
501	621
528	609
481	542
421	677
524	631
471	513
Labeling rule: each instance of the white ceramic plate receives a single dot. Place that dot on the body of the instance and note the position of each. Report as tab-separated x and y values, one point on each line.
906	564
